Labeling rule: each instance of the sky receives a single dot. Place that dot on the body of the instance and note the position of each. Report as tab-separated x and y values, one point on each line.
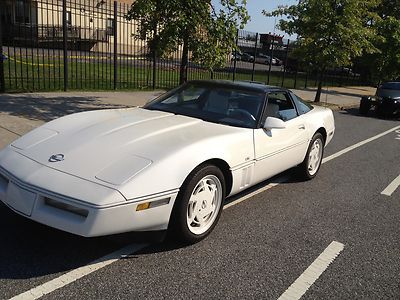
259	22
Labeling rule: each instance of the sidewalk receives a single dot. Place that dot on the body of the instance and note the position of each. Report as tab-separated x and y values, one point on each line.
20	113
343	97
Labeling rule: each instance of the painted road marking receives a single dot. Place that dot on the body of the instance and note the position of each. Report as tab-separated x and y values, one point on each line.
313	272
345	150
78	273
333	156
391	187
31	64
398	135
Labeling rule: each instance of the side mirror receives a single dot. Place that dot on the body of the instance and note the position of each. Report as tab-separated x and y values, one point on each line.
274	123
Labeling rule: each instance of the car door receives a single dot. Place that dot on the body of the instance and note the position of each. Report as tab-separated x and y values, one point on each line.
277	150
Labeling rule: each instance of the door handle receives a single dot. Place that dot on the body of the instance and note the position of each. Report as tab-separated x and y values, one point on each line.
302	126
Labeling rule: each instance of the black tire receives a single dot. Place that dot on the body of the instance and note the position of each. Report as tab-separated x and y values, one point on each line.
178	228
365	105
303	169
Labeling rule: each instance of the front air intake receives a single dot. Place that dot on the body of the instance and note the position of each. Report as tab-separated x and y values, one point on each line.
66	207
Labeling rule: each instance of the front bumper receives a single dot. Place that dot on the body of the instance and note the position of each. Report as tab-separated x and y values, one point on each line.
388	107
72	212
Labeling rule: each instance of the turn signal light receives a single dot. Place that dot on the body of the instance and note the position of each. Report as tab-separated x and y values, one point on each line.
156	203
143	206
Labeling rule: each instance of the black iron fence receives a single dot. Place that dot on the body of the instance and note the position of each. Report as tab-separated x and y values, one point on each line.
88	44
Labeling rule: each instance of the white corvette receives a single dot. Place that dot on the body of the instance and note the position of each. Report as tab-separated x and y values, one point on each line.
168	165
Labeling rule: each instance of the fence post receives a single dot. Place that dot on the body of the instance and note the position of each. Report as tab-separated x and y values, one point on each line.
2	82
154	68
154	52
271	56
235	58
341	76
115	44
254	61
65	43
306	81
285	63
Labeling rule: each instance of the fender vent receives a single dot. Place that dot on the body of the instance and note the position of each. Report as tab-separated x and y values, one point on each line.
246	176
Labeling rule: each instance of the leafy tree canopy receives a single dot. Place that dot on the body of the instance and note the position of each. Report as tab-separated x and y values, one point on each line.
389	8
385	64
330	32
207	30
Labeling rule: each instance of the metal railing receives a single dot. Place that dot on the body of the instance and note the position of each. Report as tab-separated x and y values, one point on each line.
76	44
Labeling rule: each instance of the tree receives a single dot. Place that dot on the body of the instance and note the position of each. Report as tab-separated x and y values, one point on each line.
207	31
330	32
385	63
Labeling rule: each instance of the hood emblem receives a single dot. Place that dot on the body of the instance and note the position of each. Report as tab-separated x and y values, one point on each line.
56	158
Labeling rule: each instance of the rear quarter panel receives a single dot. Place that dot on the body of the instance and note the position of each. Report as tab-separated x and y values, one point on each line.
321	117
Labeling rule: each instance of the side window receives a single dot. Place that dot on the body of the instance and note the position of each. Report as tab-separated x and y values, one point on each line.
302	106
280	106
110	26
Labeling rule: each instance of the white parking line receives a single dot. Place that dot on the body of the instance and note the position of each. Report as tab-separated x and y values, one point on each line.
313	272
391	187
333	156
355	146
398	135
78	273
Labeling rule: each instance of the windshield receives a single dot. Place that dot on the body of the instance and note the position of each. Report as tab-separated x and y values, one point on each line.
215	104
390	86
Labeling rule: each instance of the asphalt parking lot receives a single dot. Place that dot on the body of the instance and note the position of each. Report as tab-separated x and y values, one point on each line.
265	240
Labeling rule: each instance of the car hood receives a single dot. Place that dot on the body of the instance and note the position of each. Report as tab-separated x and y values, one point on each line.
111	147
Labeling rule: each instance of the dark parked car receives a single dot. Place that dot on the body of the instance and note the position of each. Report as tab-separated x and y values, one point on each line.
278	62
247	57
386	101
236	56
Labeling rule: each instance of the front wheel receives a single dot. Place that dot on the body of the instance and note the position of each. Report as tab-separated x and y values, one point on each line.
312	162
365	105
199	205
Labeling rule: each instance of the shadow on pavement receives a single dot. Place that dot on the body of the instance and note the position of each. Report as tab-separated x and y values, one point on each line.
371	114
169	244
29	249
337	93
36	107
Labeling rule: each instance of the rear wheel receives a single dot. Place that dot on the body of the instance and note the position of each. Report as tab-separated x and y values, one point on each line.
199	205
312	162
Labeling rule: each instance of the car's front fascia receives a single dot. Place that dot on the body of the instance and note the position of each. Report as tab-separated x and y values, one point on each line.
388	105
65	202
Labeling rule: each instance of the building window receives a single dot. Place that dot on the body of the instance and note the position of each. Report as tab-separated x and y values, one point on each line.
69	18
22	12
110	26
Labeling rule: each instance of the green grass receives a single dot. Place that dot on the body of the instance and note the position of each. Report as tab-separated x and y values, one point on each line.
34	74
